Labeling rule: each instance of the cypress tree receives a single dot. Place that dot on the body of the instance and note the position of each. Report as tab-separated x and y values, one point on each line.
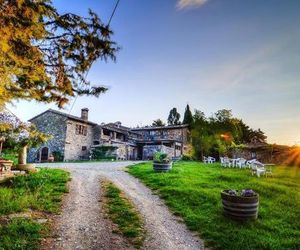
188	116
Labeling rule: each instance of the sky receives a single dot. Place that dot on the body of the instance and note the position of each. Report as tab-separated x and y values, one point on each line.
242	55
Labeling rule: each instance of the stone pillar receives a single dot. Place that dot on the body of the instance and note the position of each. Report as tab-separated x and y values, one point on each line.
22	157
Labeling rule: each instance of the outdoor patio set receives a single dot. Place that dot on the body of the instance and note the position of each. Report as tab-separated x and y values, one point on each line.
257	168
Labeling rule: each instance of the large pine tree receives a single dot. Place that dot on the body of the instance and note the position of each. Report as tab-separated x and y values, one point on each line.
45	55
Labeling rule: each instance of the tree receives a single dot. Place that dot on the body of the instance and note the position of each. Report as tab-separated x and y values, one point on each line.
174	117
188	116
223	115
20	135
45	56
220	133
158	123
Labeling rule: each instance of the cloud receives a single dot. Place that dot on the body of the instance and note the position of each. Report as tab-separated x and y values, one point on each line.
188	4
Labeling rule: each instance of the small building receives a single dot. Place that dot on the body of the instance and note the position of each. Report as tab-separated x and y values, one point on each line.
74	138
71	136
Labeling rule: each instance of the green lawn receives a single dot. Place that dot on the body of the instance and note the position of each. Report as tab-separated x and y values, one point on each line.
123	214
192	191
42	192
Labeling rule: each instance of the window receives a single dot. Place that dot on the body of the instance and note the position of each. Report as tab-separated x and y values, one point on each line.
152	133
81	129
83	148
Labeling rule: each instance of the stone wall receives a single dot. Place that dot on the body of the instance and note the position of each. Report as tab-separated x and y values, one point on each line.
179	134
131	153
149	150
75	142
125	152
51	124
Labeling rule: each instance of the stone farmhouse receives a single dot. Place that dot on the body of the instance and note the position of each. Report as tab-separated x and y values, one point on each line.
74	138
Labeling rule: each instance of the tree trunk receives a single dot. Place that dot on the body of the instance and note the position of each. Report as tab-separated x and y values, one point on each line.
2	140
23	155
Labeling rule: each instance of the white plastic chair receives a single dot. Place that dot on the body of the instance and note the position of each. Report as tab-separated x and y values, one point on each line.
205	159
227	162
222	161
211	160
257	168
241	162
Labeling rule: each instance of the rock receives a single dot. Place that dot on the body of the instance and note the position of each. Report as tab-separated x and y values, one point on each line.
41	221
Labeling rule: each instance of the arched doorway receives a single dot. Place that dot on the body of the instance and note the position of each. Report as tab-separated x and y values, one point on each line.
44	154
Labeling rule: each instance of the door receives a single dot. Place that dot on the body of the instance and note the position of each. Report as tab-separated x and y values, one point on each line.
44	154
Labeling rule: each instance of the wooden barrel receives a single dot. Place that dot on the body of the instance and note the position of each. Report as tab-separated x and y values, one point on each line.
162	167
240	207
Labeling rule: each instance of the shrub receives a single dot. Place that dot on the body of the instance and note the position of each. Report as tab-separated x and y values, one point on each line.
161	157
187	158
58	156
104	152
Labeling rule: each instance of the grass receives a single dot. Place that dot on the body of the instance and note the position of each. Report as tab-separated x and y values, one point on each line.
41	191
12	156
192	191
123	214
20	234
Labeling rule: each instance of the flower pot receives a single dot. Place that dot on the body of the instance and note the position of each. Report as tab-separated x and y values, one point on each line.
5	165
27	167
162	167
240	207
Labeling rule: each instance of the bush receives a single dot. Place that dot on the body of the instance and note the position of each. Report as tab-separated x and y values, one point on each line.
58	156
161	157
10	155
187	158
104	152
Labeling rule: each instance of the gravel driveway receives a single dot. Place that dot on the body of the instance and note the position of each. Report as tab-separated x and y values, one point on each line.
82	225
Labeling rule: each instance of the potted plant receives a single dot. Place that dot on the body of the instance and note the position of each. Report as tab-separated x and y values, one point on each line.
161	162
240	205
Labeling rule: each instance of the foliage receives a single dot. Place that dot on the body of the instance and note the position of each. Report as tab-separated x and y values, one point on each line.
174	117
104	152
187	158
48	53
20	234
192	191
221	132
58	156
122	213
10	155
19	134
188	117
160	157
39	191
158	123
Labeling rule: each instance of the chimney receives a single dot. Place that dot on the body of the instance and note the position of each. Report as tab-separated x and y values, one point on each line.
85	114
